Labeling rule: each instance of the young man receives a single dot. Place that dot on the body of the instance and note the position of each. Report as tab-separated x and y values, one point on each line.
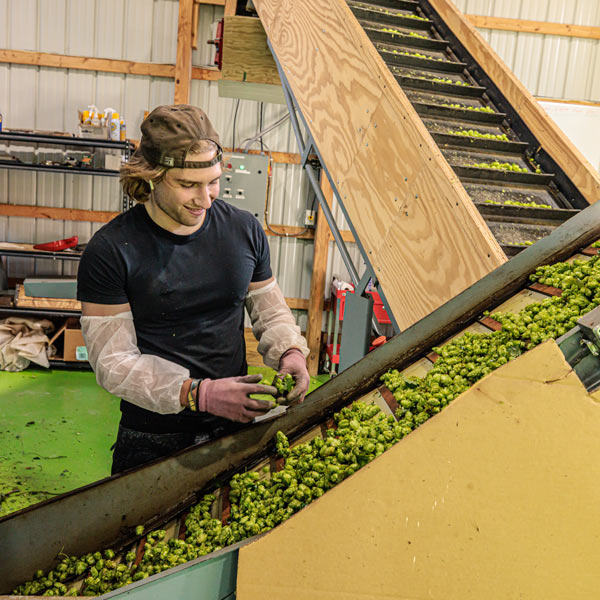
163	289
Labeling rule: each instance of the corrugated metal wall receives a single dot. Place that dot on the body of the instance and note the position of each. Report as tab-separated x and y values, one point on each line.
145	30
548	65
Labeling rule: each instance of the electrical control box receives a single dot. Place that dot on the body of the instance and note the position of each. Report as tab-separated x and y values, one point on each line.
244	182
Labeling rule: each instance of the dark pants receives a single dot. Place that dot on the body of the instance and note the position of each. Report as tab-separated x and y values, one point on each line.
135	448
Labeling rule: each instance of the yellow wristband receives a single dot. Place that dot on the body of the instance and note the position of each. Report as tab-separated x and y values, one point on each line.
191	400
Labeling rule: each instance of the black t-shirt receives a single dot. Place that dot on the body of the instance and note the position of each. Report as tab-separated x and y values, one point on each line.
186	294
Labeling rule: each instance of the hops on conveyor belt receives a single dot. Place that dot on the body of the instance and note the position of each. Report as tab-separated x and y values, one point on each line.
505	166
362	433
500	137
485	109
472	356
516	203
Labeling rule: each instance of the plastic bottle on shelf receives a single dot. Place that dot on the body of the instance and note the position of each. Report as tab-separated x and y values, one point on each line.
123	130
113	123
94	117
115	127
0	121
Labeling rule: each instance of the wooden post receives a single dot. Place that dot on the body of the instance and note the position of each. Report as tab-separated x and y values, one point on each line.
317	283
230	6
195	16
183	64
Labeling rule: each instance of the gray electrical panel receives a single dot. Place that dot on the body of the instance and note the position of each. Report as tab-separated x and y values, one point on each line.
244	182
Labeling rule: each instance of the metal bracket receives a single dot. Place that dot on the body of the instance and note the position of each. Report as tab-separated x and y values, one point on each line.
308	151
581	348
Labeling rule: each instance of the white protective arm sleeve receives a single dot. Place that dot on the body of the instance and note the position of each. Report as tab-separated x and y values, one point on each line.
273	324
151	382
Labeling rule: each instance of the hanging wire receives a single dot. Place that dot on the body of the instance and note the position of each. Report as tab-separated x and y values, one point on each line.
235	114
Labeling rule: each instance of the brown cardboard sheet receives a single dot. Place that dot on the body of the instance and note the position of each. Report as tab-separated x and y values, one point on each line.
497	497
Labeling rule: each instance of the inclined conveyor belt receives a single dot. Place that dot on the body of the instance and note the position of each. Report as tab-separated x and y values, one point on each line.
464	120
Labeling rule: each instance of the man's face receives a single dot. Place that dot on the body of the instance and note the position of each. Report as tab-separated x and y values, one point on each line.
184	195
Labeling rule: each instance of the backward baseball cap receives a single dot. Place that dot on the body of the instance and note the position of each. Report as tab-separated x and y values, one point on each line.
168	133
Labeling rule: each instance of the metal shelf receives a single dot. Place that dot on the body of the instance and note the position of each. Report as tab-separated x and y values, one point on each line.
7	164
64	255
79	365
32	138
46	312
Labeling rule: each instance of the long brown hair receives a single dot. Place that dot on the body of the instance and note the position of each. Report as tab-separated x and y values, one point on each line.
136	174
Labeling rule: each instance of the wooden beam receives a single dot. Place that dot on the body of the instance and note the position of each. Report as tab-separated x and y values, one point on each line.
211	2
548	133
345	233
564	101
413	216
284	158
97	216
230	7
318	283
183	63
102	65
543	27
291	231
297	303
106	65
52	212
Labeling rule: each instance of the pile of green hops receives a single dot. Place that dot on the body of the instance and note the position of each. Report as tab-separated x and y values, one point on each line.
485	109
257	504
500	166
501	137
517	203
284	384
465	360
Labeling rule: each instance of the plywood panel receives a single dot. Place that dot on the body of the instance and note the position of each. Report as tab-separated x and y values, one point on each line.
493	498
551	137
413	217
246	56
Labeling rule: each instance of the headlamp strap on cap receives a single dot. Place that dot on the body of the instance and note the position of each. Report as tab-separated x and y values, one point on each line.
169	161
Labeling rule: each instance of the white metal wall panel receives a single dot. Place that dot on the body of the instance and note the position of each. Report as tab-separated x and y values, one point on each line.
81	28
549	66
164	31
137	44
51	24
109	19
22	20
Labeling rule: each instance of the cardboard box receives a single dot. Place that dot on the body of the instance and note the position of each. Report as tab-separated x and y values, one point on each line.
89	131
74	346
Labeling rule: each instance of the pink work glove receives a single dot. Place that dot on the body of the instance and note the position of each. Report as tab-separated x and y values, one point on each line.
229	397
292	361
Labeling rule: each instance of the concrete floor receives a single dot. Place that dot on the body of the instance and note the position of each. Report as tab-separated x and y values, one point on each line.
56	430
